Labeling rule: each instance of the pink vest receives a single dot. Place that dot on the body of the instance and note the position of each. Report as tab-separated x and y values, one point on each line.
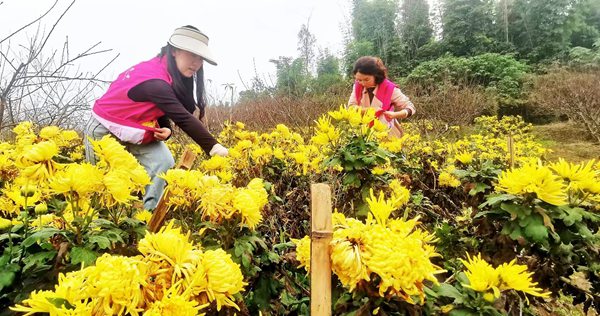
128	120
385	90
384	93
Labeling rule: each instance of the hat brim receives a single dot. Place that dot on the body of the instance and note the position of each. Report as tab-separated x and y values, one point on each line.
194	46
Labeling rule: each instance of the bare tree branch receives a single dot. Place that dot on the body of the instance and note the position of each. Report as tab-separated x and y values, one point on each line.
30	23
46	86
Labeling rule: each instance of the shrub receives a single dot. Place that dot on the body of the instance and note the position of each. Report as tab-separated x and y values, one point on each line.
451	104
575	95
501	74
263	113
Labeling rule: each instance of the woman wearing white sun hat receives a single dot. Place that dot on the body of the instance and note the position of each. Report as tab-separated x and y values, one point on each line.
141	102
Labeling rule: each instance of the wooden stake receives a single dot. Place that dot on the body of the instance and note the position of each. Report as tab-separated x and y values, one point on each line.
160	212
511	151
320	261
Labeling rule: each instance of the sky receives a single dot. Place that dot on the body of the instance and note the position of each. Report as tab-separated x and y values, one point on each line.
243	34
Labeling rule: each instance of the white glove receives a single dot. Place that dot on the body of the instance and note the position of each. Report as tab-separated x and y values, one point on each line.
219	150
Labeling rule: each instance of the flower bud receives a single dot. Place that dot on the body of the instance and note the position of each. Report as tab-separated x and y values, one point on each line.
28	190
41	208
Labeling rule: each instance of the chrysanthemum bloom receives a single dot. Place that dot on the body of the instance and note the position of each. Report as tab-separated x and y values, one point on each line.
482	276
447	179
173	247
223	279
143	216
112	287
303	252
579	177
516	277
5	223
36	161
508	276
464	157
533	179
174	303
14	198
78	180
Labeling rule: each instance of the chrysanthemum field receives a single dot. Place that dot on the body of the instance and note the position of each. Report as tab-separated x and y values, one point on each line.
477	222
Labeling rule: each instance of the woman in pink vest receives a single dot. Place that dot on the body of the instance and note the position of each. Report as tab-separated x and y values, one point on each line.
373	89
140	104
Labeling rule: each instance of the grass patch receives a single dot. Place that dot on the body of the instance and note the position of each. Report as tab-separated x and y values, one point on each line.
567	140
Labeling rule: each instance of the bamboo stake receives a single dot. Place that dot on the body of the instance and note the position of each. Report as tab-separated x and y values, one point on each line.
320	262
511	151
160	212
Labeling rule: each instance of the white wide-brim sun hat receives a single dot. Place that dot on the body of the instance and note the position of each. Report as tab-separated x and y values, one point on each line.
193	41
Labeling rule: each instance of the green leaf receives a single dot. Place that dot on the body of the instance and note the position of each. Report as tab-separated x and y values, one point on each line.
113	234
351	179
102	241
273	257
41	235
246	260
516	210
571	215
479	188
238	250
461	312
38	260
535	230
448	290
494	199
5	259
83	255
512	230
7	275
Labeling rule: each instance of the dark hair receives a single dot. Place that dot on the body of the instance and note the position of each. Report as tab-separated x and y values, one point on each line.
369	65
184	87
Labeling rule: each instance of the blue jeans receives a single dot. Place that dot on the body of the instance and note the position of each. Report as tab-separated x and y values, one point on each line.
154	157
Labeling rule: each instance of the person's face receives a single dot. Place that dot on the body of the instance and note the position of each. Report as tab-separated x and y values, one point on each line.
188	63
367	81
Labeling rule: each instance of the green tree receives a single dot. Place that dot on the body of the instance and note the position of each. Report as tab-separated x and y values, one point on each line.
328	72
374	31
306	47
354	50
291	76
537	28
585	23
468	27
414	26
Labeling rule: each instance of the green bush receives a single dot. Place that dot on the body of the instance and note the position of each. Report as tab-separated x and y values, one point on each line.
501	74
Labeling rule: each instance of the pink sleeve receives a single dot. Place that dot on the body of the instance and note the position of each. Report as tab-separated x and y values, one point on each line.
401	101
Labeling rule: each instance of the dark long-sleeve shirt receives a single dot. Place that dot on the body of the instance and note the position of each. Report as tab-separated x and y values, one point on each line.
162	94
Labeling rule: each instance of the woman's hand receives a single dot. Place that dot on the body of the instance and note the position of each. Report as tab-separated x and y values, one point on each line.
219	150
390	115
162	133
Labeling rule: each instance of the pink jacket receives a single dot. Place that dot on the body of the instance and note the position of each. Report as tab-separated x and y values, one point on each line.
128	120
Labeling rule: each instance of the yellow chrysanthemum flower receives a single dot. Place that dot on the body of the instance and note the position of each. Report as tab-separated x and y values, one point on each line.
516	277
380	207
482	276
400	194
117	188
446	179
174	303
224	278
170	245
464	157
303	252
143	216
533	179
81	179
508	276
